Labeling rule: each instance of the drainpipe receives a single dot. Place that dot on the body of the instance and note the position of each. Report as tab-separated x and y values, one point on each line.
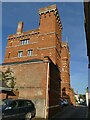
47	82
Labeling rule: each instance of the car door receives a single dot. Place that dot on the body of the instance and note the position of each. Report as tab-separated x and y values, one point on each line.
21	109
30	107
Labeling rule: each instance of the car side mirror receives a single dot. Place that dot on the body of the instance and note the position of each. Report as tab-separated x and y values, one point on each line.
8	108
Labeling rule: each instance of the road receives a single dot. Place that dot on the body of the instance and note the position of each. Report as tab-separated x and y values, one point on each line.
73	112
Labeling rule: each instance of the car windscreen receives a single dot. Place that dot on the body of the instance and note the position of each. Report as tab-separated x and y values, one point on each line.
5	103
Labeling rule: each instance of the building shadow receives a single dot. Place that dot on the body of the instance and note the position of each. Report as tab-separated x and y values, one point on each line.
54	90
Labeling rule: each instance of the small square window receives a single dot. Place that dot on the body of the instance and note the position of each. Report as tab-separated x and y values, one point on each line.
20	53
29	53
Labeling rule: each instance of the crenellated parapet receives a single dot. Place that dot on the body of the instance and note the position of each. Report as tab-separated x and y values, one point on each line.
49	10
24	35
65	44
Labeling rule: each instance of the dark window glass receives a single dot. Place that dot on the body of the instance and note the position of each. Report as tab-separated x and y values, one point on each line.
20	103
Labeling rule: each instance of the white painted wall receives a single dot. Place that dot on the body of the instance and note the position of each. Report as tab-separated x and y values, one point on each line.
87	98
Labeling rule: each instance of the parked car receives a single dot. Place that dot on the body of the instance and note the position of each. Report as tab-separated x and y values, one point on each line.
17	109
65	102
61	103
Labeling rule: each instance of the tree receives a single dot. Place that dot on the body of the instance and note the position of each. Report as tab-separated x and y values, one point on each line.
8	78
87	89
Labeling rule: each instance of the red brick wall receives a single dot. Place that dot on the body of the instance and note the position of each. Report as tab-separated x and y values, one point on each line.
3	95
9	94
72	97
31	82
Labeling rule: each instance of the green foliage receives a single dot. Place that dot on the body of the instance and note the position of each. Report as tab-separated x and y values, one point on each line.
75	99
87	89
8	78
82	96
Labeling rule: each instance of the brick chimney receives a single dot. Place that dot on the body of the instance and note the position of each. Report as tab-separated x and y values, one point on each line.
20	28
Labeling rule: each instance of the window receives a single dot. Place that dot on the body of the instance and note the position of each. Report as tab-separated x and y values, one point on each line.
20	103
9	55
23	42
28	103
20	53
29	53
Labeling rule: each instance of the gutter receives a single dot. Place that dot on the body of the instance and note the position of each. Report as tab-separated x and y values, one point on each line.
47	82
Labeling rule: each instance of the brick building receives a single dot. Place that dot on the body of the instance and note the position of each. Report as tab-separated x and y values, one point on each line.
65	69
66	90
39	81
37	58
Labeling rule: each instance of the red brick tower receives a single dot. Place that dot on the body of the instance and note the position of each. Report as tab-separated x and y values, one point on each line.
66	90
65	70
35	44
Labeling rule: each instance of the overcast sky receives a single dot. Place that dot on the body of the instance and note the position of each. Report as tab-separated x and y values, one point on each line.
72	18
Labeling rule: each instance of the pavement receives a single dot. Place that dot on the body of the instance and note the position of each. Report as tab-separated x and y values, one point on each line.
89	113
71	112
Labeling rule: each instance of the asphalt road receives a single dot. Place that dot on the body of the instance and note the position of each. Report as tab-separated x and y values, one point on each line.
73	112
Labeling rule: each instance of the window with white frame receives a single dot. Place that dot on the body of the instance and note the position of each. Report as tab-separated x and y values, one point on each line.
25	41
29	52
20	53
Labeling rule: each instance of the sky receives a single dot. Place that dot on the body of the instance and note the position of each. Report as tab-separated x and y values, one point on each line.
72	18
44	0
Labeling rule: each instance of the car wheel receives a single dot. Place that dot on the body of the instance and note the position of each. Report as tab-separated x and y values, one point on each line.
28	116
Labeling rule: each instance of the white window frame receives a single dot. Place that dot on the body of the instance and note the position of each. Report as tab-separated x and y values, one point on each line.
25	41
20	54
30	52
